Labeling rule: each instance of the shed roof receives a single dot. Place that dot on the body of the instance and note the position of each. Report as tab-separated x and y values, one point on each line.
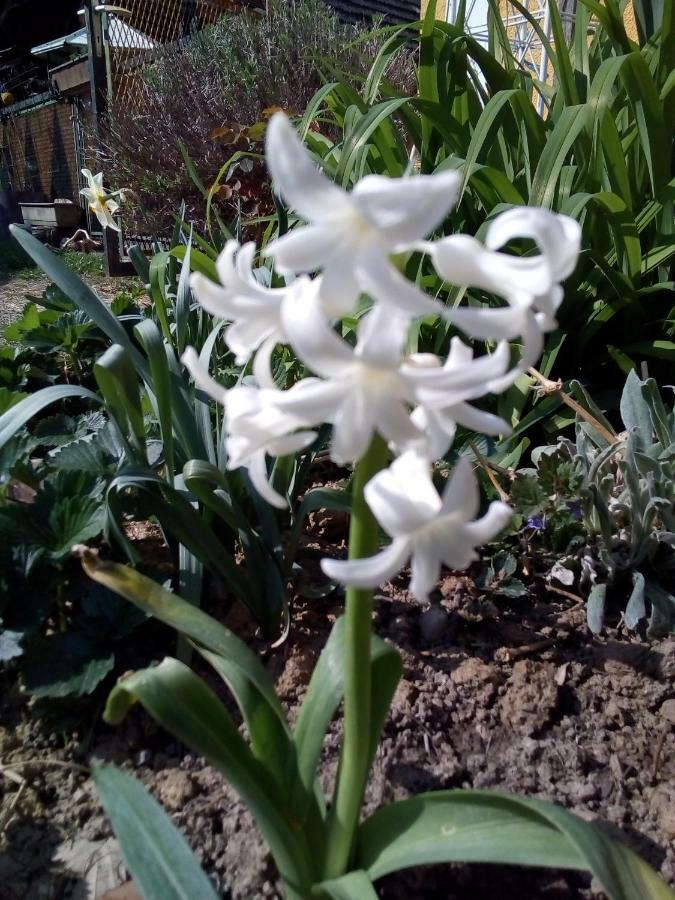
119	35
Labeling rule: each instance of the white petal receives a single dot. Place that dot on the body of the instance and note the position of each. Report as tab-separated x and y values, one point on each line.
438	428
405	210
394	423
533	344
304	249
353	428
488	323
558	236
210	295
244	336
478	420
297	177
378	278
201	377
461	495
425	568
339	289
311	336
403	497
292	443
444	388
490	525
383	333
462	260
262	364
372	570
312	400
257	470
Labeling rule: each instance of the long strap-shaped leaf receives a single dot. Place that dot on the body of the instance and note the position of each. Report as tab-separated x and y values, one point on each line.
482	826
353	886
154	850
23	411
185	706
185	618
325	693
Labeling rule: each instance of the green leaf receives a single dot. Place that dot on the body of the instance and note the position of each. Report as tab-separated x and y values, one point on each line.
595	608
77	291
325	692
183	301
160	384
185	618
64	664
662	618
482	826
636	608
352	886
635	410
117	379
565	132
154	850
183	704
20	413
198	262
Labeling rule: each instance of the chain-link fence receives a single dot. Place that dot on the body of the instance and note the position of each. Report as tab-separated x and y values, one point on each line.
139	33
135	36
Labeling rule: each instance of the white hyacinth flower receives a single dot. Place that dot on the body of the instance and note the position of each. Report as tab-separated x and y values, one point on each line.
348	232
101	203
253	309
256	425
529	284
426	528
360	390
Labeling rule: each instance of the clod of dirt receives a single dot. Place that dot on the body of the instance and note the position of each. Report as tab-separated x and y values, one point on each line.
531	697
176	789
668	711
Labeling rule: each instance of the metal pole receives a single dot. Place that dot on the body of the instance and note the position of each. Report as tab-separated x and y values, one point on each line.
543	63
100	98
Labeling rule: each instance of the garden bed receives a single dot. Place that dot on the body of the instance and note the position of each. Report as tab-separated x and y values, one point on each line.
512	695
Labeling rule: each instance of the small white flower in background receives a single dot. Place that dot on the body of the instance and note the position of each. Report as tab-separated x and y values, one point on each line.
348	232
101	203
428	529
253	309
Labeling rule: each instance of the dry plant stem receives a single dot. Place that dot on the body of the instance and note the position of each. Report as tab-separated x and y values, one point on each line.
487	468
555	387
354	763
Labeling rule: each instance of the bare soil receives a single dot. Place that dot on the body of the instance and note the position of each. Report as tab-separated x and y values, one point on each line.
509	695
